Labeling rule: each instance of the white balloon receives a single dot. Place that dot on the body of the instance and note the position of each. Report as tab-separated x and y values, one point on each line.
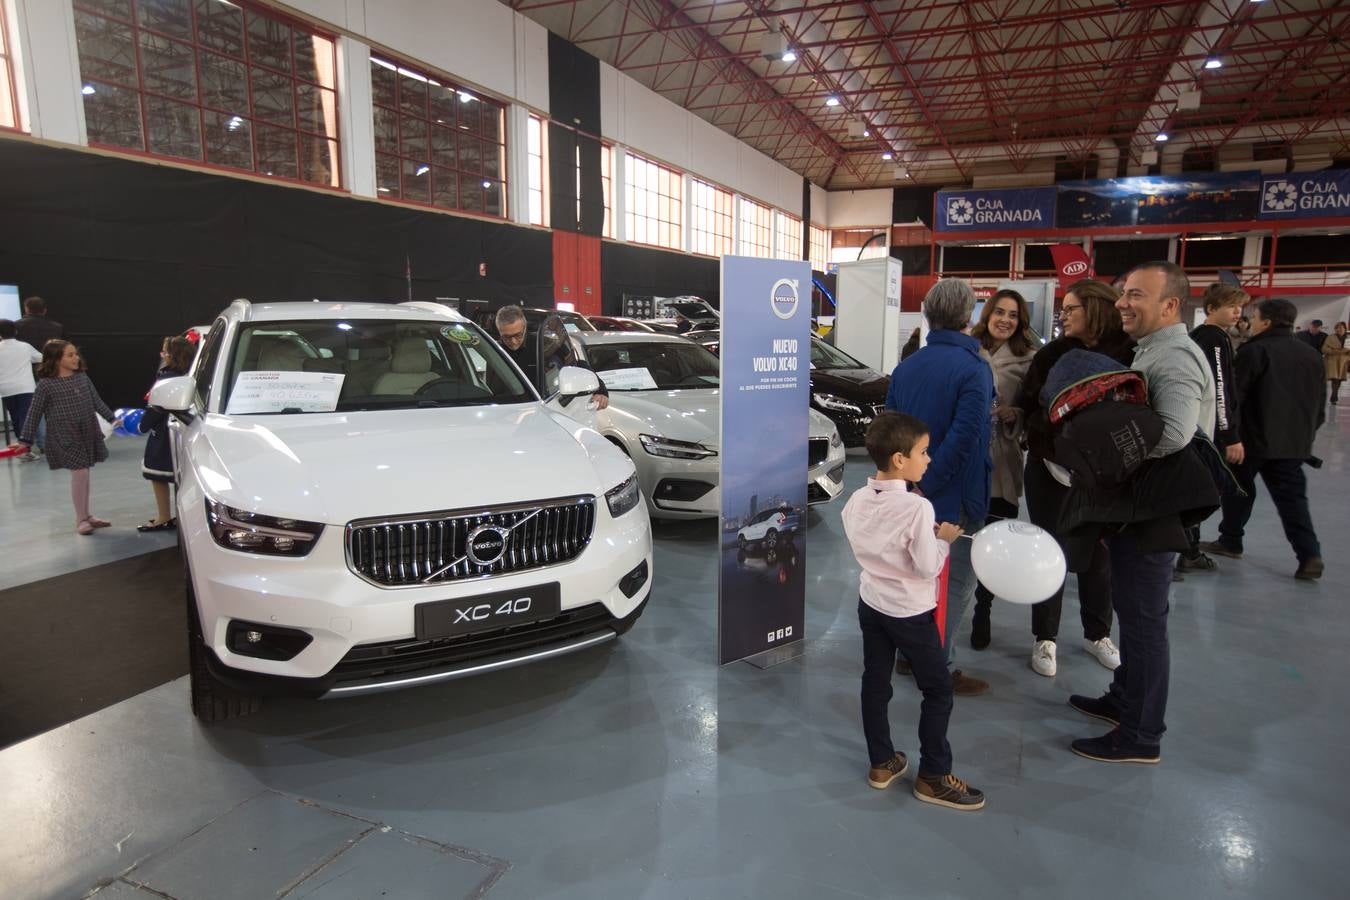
105	426
1018	561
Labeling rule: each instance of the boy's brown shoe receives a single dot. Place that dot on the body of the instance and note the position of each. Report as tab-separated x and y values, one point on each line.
880	777
949	791
964	685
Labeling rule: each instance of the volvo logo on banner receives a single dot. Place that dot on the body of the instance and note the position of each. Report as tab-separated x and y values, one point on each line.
1001	210
1305	195
784	298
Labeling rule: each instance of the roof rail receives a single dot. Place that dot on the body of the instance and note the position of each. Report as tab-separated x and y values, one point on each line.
428	306
244	306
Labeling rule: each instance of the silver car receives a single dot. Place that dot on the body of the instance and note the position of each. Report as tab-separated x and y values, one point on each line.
664	396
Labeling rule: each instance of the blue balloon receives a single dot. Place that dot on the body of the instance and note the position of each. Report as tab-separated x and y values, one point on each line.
131	423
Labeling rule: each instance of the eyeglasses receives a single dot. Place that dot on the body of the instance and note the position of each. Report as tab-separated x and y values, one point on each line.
1065	310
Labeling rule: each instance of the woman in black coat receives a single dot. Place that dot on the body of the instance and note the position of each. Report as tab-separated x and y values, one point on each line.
175	358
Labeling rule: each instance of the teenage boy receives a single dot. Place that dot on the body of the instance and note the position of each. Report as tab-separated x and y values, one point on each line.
901	551
1223	307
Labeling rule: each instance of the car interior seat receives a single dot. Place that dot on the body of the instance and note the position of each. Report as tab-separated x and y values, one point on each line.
281	356
409	369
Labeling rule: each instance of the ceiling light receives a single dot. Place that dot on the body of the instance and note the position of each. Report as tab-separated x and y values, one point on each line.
1160	136
235	123
87	89
1213	63
832	100
887	155
866	133
487	184
789	56
422	170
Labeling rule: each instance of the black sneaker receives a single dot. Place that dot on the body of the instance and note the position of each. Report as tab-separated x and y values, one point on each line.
1198	563
1097	707
880	777
1112	747
1219	548
1310	569
948	791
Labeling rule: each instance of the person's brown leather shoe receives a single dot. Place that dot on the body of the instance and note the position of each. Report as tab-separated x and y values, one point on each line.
964	685
1310	569
880	777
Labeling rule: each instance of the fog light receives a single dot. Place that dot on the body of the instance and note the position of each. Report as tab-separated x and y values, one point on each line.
253	637
634	580
265	641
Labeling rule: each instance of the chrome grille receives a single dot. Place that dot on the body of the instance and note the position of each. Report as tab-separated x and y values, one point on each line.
430	548
817	450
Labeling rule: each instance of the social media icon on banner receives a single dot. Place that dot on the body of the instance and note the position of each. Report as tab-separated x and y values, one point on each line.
770	639
787	632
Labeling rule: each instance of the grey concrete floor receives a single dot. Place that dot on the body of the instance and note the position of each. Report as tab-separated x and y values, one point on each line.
643	770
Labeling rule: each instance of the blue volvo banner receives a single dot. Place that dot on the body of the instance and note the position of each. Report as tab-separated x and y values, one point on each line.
1306	195
1012	209
765	363
1159	200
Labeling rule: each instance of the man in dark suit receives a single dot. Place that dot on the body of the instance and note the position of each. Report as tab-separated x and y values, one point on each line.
35	328
1282	390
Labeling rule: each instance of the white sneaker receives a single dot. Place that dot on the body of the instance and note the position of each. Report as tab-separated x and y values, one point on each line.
1043	658
1105	651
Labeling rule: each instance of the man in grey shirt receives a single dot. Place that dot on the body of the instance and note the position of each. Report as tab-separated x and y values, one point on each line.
1181	392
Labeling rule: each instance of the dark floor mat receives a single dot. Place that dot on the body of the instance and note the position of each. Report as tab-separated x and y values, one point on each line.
79	642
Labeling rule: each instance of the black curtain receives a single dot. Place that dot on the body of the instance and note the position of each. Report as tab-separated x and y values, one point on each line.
574	112
911	204
127	252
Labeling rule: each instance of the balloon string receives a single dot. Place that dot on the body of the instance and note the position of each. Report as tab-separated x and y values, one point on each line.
996	518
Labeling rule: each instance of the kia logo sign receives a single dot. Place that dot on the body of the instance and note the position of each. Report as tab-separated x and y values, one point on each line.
1077	267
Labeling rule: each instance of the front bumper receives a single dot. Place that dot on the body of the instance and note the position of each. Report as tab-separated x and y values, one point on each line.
363	636
825	480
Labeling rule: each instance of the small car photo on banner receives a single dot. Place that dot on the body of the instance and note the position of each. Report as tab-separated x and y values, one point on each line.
765	359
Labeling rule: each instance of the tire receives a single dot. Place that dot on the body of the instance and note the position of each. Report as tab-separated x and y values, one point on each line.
212	701
741	542
771	539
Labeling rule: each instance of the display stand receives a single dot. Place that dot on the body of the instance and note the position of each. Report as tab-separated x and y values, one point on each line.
867	315
770	658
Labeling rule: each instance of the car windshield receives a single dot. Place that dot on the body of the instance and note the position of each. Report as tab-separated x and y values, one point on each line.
343	365
653	365
823	356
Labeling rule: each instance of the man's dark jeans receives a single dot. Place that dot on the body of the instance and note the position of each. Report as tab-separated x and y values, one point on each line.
16	406
917	638
1140	583
1288	488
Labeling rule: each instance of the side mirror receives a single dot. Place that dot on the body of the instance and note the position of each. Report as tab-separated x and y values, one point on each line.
573	381
174	396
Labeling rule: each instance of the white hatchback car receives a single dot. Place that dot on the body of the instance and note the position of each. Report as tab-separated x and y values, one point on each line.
371	496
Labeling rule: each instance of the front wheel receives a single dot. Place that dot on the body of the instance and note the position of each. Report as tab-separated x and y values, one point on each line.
212	701
771	539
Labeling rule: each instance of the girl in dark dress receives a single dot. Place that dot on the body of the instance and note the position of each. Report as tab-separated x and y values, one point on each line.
66	398
175	358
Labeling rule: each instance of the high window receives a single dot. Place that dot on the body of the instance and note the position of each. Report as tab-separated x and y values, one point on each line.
224	83
436	142
756	229
654	211
712	217
9	94
819	248
535	135
607	187
788	231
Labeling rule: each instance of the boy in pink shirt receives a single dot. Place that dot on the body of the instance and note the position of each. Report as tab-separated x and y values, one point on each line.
902	550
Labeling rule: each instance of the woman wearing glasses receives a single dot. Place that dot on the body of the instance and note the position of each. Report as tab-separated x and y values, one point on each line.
1089	319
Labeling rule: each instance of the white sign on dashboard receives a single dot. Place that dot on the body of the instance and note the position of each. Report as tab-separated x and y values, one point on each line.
636	379
274	392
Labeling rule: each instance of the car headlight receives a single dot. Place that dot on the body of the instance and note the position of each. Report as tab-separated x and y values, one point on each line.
624	497
660	446
837	404
248	532
835	439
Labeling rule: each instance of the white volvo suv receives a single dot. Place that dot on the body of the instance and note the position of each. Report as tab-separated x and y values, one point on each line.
372	496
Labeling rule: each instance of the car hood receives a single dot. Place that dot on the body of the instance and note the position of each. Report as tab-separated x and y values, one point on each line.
335	467
863	385
685	415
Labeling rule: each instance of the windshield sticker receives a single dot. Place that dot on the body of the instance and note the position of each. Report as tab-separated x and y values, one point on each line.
282	392
460	334
638	379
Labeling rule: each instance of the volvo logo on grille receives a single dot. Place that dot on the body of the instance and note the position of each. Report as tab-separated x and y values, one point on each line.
486	544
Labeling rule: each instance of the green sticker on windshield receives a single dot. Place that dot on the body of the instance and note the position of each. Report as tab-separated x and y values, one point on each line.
461	334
